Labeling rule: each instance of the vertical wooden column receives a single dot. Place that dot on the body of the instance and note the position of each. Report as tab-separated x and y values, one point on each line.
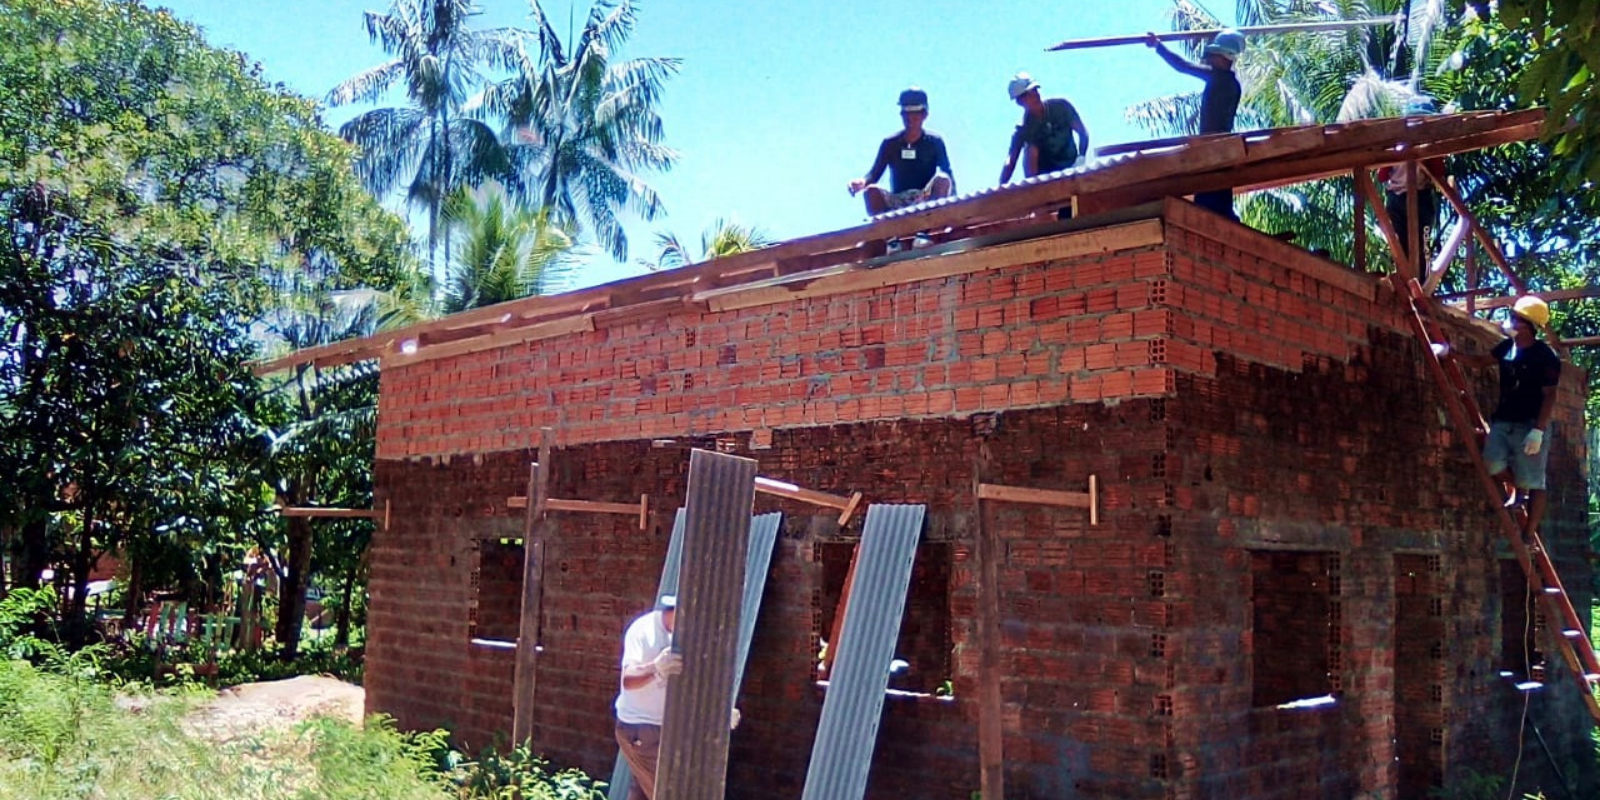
1413	240
1359	258
533	534
991	708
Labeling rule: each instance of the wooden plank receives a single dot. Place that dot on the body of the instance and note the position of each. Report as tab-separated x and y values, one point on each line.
832	652
1205	158
793	492
1489	246
1341	150
1207	33
513	336
1043	497
991	707
1365	186
1549	297
591	507
1177	141
332	513
1128	236
1359	254
524	687
1414	221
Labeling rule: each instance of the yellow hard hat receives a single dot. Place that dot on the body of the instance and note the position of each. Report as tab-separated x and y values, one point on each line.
1533	310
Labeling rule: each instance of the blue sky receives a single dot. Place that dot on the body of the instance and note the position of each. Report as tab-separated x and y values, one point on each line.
779	105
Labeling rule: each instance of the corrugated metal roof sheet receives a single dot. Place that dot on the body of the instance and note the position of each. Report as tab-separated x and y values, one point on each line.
1100	164
763	536
842	753
693	764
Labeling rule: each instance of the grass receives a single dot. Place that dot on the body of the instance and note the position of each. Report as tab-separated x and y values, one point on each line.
63	735
66	736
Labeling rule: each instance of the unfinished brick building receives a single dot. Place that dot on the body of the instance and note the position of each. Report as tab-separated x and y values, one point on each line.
1294	589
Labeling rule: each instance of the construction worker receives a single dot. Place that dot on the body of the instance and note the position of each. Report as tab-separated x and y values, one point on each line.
1396	188
648	664
919	167
1219	102
1051	136
1516	451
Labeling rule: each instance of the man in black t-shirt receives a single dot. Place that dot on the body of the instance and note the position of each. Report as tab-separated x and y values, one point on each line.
919	167
1515	451
1219	101
1051	137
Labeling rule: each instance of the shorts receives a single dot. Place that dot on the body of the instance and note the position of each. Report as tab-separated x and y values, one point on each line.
911	197
1505	446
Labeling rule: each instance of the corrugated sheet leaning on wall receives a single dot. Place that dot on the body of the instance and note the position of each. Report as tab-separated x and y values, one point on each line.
842	752
693	763
763	536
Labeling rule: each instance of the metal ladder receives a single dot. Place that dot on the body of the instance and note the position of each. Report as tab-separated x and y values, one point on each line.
1572	638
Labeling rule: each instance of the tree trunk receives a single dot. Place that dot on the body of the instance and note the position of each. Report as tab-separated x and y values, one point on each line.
292	592
82	563
341	636
131	602
35	554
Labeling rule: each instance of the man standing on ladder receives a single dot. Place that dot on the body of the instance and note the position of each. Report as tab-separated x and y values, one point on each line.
1529	372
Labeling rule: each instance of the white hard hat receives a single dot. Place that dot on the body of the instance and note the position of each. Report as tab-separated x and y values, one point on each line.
1021	85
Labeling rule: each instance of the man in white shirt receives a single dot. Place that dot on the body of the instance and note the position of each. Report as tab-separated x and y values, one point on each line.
647	663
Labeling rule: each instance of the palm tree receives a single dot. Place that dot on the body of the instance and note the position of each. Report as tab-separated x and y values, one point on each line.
429	146
1307	78
505	251
723	238
584	127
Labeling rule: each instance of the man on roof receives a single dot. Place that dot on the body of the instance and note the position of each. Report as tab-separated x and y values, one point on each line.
1219	101
1051	136
919	167
1516	452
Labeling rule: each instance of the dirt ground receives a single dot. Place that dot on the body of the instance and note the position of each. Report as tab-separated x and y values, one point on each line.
252	709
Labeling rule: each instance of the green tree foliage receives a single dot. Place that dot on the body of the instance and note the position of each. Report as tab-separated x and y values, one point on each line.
431	147
724	237
1563	44
586	127
318	441
158	193
504	251
126	391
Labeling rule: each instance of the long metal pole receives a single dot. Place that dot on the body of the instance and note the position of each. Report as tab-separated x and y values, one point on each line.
1252	30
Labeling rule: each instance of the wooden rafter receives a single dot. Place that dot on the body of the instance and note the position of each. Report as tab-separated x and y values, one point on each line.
1246	161
1489	246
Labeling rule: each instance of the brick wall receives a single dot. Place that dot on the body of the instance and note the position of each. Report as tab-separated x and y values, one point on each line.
1234	399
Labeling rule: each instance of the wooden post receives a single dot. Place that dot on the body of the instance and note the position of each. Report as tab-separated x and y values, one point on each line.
1493	250
1413	223
1472	277
1359	258
838	616
532	595
1364	186
991	708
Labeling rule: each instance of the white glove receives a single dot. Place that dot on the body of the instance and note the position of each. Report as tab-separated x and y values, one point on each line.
667	664
1535	440
733	720
1441	349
